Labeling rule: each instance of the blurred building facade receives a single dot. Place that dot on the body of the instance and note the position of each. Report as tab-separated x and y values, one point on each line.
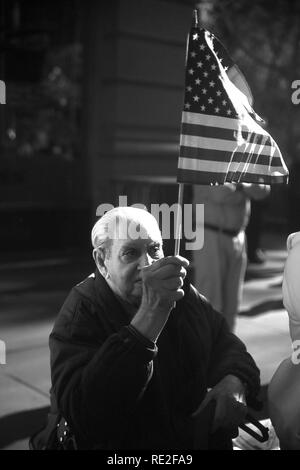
94	95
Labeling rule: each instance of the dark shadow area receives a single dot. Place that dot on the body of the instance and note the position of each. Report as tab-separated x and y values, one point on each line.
63	228
21	425
263	413
34	288
262	308
24	424
50	274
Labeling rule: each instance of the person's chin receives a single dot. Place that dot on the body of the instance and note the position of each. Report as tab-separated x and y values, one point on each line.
136	295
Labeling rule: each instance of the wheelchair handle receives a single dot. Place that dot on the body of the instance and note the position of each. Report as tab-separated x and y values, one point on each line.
263	437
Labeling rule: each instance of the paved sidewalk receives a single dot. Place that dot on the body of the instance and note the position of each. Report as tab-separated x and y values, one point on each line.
31	294
263	322
30	300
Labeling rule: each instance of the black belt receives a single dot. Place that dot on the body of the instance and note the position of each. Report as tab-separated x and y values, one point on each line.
230	233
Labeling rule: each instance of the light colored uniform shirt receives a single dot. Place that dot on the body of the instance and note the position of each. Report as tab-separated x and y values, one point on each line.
228	206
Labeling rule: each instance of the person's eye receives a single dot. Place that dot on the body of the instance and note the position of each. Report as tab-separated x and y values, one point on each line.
131	253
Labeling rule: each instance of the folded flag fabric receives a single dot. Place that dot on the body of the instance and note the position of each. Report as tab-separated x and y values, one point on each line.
221	136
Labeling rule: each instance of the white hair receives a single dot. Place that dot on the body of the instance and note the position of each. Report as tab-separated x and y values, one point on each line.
104	230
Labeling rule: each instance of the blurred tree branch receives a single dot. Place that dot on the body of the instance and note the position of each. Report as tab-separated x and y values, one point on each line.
263	37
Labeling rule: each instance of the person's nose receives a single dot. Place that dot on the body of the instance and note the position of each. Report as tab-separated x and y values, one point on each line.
145	260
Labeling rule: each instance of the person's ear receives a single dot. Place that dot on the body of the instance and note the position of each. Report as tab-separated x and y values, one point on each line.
99	258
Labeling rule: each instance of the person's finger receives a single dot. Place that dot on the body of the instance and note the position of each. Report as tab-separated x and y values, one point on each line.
172	295
169	270
203	404
165	272
173	283
219	414
168	260
178	260
177	295
183	272
167	285
240	413
229	414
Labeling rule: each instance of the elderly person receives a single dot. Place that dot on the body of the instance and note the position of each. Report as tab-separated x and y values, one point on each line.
284	389
135	348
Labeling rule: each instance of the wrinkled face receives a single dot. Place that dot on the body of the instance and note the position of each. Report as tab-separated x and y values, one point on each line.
127	256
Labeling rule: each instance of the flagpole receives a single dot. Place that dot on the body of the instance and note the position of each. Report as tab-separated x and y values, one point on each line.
196	17
179	219
179	213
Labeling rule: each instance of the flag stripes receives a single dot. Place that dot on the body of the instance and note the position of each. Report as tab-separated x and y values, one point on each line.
221	137
192	177
226	134
219	156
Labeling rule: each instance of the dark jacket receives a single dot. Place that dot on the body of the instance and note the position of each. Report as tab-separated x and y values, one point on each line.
118	390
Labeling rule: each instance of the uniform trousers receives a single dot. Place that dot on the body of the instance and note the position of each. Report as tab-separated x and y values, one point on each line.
219	270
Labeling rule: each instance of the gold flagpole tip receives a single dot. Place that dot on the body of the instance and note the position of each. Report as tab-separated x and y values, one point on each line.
195	18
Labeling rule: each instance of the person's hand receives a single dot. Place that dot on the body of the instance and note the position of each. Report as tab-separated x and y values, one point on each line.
162	286
162	283
231	408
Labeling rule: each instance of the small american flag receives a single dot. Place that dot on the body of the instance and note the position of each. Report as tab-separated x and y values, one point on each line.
221	140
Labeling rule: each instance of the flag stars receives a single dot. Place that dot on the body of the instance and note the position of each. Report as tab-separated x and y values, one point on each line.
228	112
187	105
195	37
191	71
203	107
207	57
210	100
205	74
188	88
193	54
196	98
202	47
217	110
199	64
212	83
219	93
197	81
204	91
213	67
224	102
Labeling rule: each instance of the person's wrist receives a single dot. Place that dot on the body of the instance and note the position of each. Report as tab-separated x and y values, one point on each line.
154	312
236	383
148	330
141	338
150	322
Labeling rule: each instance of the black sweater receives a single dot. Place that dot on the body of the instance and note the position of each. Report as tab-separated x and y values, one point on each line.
118	390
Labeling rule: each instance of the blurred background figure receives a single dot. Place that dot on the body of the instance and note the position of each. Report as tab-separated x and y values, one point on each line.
253	233
220	265
284	389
